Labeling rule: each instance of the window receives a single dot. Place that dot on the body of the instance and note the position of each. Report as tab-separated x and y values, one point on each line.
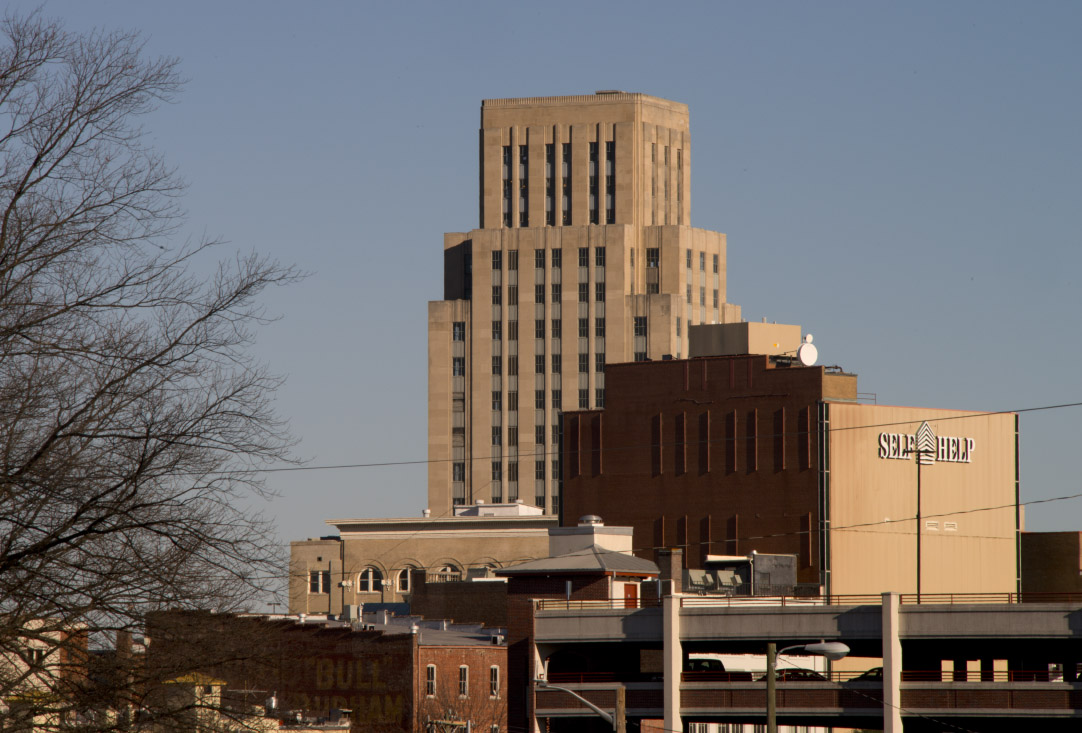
523	186
370	581
539	466
507	185
557	328
640	356
497	365
512	330
557	259
497	260
497	471
319	581
599	328
594	186
458	366
556	434
640	325
715	298
512	467
458	471
610	182
715	264
496	299
403	582
599	398
584	257
430	679
702	296
539	364
497	400
512	436
556	469
497	330
584	328
653	257
539	399
539	293
678	321
689	295
599	362
556	292
512	294
599	256
458	331
512	366
584	399
702	261
557	399
539	500
584	292
497	435
539	435
689	259
539	328
512	401
652	288
494	685
539	259
550	184
556	364
512	259
599	292
584	363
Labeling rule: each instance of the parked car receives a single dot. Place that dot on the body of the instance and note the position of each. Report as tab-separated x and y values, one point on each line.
875	674
796	675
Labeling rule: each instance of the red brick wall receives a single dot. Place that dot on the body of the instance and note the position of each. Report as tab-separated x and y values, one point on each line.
716	455
479	706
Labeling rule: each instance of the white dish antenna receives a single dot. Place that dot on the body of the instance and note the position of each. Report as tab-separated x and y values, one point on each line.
807	353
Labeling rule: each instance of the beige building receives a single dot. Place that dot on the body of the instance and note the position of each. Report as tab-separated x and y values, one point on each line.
585	255
371	560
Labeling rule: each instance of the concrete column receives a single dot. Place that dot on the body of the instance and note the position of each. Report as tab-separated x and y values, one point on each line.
670	562
892	664
674	662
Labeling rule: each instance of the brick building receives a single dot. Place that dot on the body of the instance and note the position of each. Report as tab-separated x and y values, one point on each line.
723	455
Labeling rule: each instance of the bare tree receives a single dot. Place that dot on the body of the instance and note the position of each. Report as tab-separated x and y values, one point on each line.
133	417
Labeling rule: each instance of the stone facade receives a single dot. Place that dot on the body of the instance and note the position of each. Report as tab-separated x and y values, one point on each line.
584	256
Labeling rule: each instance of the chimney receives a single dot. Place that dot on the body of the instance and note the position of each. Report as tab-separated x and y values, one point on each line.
671	563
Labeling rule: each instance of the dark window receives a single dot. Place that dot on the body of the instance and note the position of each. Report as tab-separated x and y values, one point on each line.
539	466
640	356
512	401
556	292
512	260
463	681
715	264
523	186
678	320
557	260
497	365
539	399
584	328
512	294
566	172
539	259
555	363
599	328
497	330
599	292
539	364
494	684
599	362
458	330
599	256
458	366
652	288
594	183
539	293
512	330
702	296
584	256
689	294
512	467
557	399
584	363
497	400
496	298
715	298
512	436
702	261
507	185
512	366
557	328
458	471
652	257
584	292
430	672
640	325
584	399
497	260
689	259
539	328
539	433
497	435
550	184
497	471
610	182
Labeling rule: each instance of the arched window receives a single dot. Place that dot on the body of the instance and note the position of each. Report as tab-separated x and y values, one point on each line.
403	583
370	581
449	572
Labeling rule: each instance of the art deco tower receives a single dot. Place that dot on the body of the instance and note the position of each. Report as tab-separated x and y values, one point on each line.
585	255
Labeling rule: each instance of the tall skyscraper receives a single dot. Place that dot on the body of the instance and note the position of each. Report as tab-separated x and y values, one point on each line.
585	255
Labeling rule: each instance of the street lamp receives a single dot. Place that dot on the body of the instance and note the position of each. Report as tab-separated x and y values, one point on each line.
832	650
615	719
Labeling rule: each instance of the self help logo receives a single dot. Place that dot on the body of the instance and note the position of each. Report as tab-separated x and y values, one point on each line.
928	447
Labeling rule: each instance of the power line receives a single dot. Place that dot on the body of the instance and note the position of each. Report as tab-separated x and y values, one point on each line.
539	454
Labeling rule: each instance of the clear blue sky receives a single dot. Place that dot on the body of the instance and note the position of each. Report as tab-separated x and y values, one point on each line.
903	180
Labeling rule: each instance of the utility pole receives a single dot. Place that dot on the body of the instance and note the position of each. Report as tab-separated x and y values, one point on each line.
620	724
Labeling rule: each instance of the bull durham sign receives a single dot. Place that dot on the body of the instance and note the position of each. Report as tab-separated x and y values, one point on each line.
943	448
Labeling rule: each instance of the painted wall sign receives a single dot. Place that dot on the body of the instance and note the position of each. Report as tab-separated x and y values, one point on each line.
932	448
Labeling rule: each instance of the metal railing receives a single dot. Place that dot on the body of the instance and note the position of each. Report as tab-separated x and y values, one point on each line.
562	604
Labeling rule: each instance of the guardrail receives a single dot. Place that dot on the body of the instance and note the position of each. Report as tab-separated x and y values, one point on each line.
629	604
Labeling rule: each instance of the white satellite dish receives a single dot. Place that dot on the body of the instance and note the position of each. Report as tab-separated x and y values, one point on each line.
807	353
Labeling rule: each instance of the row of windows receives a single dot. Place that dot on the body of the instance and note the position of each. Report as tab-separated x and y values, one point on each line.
556	258
464	682
369	580
459	330
702	261
550	184
539	294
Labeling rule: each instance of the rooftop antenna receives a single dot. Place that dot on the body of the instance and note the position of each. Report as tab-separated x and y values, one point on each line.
807	353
